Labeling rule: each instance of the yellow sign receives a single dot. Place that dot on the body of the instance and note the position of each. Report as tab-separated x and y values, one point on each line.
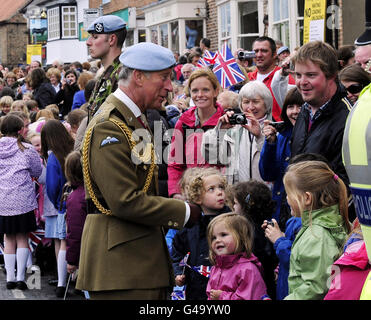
314	20
34	52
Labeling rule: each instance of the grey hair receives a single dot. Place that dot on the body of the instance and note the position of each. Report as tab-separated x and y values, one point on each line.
252	89
126	73
193	68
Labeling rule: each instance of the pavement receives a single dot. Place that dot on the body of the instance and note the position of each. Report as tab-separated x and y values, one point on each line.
38	287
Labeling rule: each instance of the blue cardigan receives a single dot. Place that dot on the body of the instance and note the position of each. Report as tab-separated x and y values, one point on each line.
78	99
55	181
283	251
274	159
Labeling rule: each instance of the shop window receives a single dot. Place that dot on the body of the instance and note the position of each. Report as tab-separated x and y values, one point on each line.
164	35
300	24
141	35
281	21
225	23
248	23
154	35
129	40
174	36
194	33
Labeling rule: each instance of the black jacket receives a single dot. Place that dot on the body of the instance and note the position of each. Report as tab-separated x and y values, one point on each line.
326	134
64	98
193	240
44	94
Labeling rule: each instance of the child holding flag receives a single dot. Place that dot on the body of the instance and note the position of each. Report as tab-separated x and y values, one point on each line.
190	249
237	273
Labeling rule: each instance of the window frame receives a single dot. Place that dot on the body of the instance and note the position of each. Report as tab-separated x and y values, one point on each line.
69	21
57	14
51	23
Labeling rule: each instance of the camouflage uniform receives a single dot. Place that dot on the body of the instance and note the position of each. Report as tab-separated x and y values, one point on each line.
105	85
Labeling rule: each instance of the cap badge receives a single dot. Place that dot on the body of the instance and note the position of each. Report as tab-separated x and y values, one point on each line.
99	27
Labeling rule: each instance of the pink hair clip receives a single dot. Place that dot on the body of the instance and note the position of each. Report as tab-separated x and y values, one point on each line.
336	177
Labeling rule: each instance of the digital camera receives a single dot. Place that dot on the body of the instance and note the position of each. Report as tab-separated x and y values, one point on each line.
279	126
270	223
237	118
243	55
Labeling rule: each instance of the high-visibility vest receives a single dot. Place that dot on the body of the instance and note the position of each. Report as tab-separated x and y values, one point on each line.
357	162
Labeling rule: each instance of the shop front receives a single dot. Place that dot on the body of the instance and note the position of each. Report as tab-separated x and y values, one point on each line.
176	24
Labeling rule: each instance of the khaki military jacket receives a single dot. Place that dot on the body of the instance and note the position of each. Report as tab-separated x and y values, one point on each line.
127	249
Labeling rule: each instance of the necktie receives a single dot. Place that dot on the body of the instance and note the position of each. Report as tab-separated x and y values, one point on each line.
141	121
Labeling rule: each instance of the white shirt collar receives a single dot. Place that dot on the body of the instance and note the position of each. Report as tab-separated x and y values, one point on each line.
123	97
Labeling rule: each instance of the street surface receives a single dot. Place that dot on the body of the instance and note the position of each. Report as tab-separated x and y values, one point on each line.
39	288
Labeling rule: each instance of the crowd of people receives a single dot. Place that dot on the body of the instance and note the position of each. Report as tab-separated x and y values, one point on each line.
250	199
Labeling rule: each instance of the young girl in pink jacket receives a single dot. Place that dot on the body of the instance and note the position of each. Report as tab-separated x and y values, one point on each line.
237	273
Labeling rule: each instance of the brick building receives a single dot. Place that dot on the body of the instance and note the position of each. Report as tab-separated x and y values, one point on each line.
13	33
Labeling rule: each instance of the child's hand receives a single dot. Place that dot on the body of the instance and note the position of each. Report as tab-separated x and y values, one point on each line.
273	233
180	280
71	268
215	294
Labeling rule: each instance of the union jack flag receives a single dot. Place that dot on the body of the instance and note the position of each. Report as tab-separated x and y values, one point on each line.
178	293
34	238
202	63
210	57
183	262
203	270
226	68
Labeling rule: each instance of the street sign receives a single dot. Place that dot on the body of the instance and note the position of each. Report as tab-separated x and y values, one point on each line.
34	53
314	20
90	15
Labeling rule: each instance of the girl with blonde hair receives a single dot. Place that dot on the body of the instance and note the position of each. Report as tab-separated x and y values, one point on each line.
319	197
205	187
237	273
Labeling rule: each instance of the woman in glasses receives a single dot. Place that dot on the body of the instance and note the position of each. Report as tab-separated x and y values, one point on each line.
354	79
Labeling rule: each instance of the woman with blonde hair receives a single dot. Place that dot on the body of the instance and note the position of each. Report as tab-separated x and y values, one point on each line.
54	75
185	149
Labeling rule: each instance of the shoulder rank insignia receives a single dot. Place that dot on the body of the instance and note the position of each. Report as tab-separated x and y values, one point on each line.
109	140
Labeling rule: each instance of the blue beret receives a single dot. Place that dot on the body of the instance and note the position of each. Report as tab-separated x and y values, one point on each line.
107	24
282	49
147	56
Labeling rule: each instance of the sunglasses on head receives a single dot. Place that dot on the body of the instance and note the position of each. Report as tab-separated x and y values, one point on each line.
355	88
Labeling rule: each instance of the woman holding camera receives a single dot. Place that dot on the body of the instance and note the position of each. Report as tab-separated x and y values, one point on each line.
185	149
237	139
64	97
276	152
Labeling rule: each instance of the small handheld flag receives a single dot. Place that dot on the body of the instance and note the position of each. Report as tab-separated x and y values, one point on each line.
226	68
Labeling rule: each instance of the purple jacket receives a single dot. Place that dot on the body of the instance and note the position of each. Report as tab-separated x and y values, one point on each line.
17	168
75	220
238	277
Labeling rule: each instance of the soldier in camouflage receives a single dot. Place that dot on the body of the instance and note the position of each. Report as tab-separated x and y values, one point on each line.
107	36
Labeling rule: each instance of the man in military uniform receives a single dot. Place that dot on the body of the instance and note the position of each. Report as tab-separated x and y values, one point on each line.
123	251
107	36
